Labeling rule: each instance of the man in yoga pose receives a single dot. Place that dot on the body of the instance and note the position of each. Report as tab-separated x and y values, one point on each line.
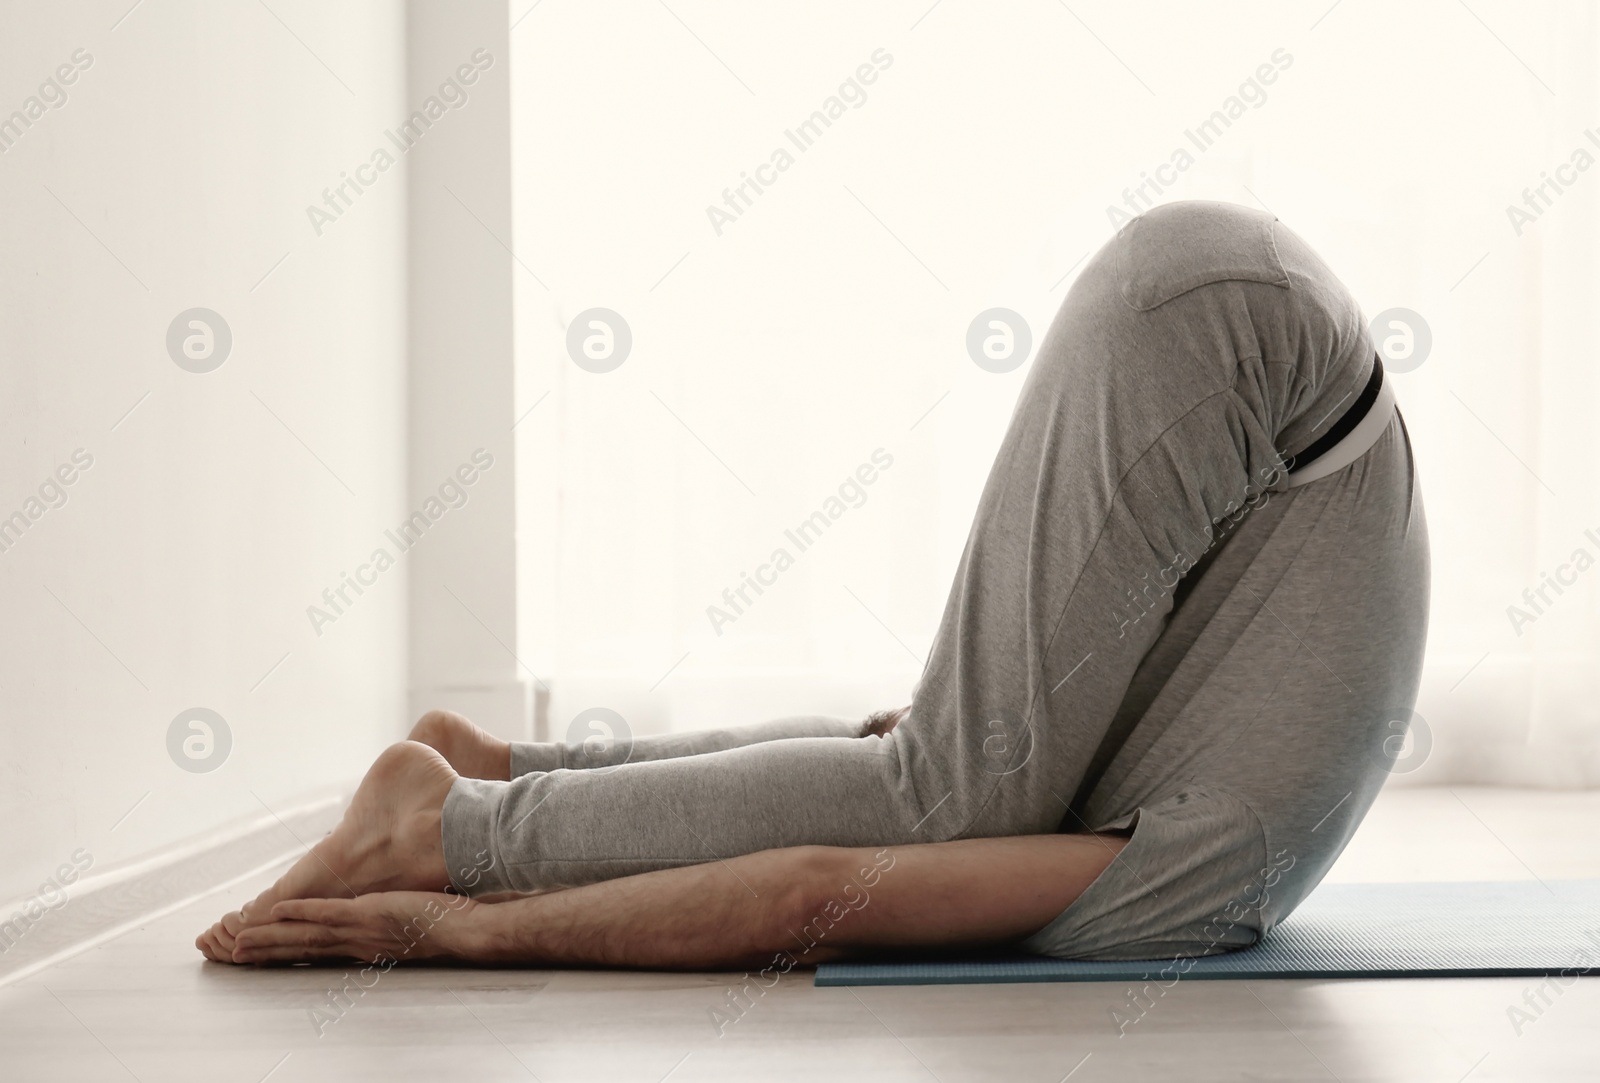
1190	610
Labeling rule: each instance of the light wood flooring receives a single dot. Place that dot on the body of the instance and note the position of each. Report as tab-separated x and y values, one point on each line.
145	1006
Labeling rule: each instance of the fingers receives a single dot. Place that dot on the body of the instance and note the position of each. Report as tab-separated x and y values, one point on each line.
321	911
277	934
296	940
291	954
290	923
223	935
296	930
400	925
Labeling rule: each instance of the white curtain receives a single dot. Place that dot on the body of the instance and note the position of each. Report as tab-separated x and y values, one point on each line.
787	331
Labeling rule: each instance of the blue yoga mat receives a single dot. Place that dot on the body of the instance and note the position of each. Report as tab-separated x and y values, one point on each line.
1434	930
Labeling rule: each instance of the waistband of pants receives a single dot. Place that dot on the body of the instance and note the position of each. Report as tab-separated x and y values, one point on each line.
1352	435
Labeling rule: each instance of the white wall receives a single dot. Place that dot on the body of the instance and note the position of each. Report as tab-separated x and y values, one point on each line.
463	630
179	571
772	356
768	362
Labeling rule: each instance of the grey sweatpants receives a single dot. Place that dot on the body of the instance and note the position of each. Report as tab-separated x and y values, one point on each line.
1149	631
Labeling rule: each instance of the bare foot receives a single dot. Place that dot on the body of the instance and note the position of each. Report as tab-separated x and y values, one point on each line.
388	840
471	751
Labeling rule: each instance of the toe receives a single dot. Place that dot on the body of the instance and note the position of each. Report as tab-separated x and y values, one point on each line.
222	937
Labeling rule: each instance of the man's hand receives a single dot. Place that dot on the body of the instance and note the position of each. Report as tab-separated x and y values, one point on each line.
402	926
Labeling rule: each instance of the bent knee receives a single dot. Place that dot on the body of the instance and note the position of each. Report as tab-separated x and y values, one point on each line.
1195	879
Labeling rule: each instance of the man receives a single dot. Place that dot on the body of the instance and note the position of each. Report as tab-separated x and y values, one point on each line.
1192	601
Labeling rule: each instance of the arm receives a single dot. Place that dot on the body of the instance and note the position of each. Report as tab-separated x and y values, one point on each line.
814	903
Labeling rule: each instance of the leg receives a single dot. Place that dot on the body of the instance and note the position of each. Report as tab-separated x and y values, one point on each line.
1146	421
528	759
474	753
1252	741
1221	850
388	840
1153	411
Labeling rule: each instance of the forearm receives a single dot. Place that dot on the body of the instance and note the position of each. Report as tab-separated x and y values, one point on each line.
814	903
721	914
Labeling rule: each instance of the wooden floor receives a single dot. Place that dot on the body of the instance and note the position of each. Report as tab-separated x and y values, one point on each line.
144	1006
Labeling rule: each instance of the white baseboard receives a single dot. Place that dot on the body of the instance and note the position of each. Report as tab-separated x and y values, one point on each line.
104	905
